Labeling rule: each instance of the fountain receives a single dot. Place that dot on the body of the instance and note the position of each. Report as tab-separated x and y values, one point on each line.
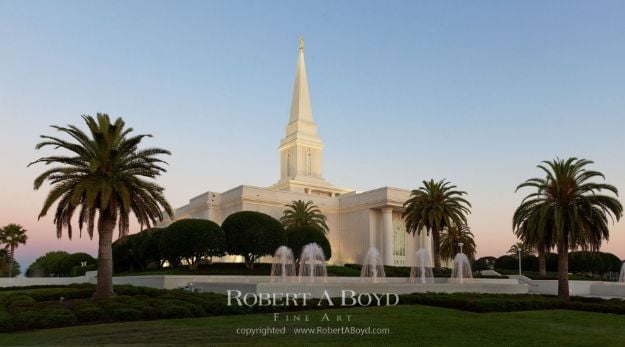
312	264
621	277
372	266
422	267
462	268
283	266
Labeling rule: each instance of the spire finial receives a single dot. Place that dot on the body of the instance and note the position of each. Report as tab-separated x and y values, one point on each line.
301	43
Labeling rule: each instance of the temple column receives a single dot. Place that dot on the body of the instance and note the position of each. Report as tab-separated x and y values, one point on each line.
372	229
387	213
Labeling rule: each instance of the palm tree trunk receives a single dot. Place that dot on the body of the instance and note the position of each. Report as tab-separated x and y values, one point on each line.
436	249
563	270
12	259
542	261
249	262
104	287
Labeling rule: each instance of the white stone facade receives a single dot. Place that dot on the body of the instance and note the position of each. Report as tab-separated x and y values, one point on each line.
357	220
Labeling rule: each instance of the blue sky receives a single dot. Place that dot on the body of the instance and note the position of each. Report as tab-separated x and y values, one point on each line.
477	93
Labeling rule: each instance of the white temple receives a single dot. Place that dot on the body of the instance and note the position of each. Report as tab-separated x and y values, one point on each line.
357	220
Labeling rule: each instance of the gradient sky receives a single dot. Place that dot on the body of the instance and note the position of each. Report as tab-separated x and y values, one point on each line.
402	91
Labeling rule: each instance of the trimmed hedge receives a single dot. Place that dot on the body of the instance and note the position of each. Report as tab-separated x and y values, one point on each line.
40	308
512	302
402	271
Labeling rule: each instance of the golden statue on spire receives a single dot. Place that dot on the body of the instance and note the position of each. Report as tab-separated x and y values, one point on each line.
301	43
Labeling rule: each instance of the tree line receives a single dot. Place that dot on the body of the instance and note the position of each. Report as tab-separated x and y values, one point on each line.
248	234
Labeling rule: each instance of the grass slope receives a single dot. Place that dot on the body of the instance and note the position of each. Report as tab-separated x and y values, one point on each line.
409	325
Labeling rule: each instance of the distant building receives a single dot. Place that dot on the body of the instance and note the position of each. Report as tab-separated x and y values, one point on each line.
357	220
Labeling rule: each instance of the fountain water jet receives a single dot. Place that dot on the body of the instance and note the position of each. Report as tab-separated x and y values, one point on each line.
422	267
312	264
372	266
283	266
461	270
621	277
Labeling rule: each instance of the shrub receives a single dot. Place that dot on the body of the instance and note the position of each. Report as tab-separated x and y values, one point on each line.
17	269
80	270
507	262
175	311
90	313
6	324
551	260
28	319
57	317
69	262
149	248
529	263
123	250
485	263
122	313
593	262
17	300
47	265
192	239
299	237
252	235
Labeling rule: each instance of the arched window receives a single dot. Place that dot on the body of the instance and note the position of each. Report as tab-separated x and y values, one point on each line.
308	164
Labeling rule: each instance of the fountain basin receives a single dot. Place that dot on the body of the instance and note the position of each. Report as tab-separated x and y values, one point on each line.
335	286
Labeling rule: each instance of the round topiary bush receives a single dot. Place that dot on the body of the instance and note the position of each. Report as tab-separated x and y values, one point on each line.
252	235
298	237
192	239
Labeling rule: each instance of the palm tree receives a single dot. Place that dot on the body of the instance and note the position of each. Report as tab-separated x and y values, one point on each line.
103	179
299	214
434	207
12	236
570	209
534	235
452	237
526	250
5	259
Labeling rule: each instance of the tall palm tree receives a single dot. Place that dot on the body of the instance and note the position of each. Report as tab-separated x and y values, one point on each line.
452	237
103	179
570	208
434	207
526	249
299	213
12	236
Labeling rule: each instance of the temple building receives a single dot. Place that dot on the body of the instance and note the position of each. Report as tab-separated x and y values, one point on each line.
357	220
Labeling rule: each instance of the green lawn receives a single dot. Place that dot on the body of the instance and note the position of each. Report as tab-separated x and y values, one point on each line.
408	324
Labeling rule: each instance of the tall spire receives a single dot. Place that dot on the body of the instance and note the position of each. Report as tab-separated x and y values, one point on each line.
300	104
301	149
